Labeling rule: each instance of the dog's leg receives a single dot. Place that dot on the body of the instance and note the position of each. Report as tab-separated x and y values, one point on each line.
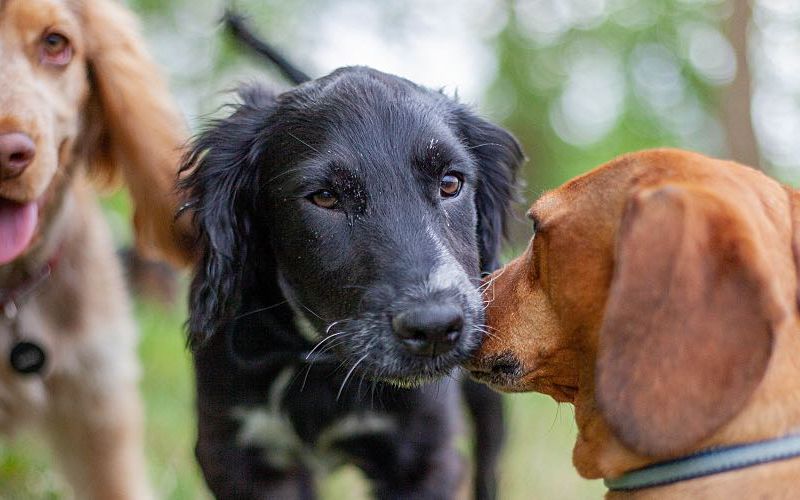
234	470
486	408
95	424
419	459
433	475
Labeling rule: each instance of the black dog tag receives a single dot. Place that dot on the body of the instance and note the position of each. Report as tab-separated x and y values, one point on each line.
27	358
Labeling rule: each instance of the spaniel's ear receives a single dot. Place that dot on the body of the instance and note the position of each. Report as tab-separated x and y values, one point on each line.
133	127
221	189
688	326
498	156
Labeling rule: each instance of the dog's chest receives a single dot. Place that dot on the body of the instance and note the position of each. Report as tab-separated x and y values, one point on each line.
309	437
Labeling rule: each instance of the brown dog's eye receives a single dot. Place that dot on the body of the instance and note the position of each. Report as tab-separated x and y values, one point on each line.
324	199
56	49
450	185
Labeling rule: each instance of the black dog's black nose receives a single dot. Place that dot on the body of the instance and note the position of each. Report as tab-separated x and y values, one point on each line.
429	330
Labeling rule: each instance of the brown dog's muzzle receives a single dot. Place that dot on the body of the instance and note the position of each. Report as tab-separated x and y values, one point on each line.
496	370
523	348
491	363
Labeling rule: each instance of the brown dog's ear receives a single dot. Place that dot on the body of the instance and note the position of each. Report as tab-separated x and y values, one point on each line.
794	203
133	127
687	330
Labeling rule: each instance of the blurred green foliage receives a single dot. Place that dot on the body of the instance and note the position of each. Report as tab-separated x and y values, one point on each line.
533	75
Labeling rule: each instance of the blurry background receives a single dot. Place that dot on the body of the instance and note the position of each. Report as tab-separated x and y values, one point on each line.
577	81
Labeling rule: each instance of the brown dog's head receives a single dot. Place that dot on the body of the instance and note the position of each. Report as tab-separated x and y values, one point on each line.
77	87
650	296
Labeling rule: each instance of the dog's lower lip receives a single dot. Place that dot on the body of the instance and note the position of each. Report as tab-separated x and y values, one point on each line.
509	383
494	379
480	374
565	393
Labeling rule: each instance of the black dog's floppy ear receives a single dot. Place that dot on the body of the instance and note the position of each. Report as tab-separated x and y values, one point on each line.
499	156
220	184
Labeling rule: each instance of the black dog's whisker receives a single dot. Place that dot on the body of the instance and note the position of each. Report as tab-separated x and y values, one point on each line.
321	353
356	287
260	309
330	347
309	310
327	336
360	383
301	141
321	342
346	377
484	144
337	322
285	172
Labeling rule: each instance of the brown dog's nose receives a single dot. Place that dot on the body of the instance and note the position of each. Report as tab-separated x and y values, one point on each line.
16	153
506	365
429	330
502	365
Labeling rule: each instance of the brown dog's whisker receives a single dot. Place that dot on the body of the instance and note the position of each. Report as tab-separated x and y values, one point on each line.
487	332
489	282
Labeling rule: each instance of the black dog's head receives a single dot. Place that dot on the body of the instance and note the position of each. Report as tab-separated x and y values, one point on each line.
372	202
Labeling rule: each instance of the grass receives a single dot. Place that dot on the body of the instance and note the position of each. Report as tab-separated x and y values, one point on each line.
536	463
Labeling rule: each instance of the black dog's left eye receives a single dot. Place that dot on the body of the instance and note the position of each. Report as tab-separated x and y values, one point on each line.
324	199
450	185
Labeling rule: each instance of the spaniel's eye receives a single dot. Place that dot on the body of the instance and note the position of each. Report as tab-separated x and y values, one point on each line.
56	49
450	185
324	199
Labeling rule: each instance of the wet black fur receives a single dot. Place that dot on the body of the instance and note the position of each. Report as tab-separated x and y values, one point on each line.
270	256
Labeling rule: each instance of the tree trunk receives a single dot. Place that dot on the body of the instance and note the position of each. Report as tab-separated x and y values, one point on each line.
736	104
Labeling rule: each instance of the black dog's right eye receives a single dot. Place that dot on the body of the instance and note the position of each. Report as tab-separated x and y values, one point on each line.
324	199
450	185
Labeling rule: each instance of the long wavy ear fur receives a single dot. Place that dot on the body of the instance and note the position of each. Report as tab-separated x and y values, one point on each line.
499	157
133	127
221	187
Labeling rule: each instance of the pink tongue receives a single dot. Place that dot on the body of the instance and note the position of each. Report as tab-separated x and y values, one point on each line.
17	225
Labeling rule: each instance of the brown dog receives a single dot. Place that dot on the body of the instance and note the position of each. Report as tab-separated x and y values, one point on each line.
659	295
80	100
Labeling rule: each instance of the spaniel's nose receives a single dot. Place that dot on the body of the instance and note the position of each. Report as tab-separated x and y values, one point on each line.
429	330
16	153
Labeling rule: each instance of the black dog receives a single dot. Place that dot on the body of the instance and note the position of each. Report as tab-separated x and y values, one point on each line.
344	226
